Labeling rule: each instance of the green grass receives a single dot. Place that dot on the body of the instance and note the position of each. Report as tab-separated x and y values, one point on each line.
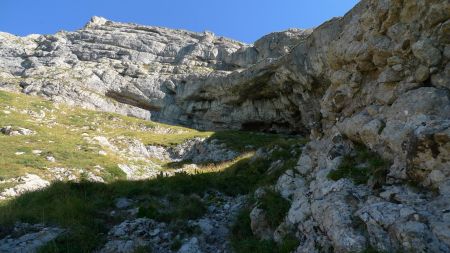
275	206
143	249
176	245
59	134
179	207
371	249
361	167
243	240
83	208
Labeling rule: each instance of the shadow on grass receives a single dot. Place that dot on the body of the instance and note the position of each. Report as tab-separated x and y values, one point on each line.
84	208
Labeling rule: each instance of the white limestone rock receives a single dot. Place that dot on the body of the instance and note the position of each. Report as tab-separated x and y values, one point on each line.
27	183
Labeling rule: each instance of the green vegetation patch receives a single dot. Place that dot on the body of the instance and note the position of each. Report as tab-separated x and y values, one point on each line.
276	207
371	249
84	208
61	133
361	166
243	240
177	207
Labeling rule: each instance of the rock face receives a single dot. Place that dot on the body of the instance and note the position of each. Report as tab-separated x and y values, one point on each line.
197	150
29	238
27	183
379	76
9	130
154	236
169	75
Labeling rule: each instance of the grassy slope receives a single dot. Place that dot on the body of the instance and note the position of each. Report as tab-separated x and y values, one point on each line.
59	134
84	207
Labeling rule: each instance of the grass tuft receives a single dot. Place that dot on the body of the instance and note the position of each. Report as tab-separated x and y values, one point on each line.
243	240
361	167
275	206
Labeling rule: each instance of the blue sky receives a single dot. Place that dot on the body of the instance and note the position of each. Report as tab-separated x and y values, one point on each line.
244	20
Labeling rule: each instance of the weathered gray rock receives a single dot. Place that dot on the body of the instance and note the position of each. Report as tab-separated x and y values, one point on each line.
378	76
259	224
200	150
129	236
23	184
122	203
132	234
9	130
29	238
425	51
191	246
136	172
71	174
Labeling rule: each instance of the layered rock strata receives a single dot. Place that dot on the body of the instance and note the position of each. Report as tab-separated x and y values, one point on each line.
378	76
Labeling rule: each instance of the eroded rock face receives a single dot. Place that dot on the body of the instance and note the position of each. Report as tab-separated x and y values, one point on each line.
348	217
197	150
378	76
144	71
9	130
29	238
23	184
151	235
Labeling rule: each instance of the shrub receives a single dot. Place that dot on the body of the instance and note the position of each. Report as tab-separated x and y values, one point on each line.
243	240
180	207
176	245
361	167
275	206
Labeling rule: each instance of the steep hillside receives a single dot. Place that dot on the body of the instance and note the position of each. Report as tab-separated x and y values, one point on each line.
371	90
79	173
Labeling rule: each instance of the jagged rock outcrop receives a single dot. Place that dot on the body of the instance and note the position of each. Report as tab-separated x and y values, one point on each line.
28	238
379	76
151	235
144	71
27	183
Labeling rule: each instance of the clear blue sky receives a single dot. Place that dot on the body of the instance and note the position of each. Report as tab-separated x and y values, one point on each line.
244	20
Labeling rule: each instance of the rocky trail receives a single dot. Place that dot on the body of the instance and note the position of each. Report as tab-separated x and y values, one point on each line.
331	139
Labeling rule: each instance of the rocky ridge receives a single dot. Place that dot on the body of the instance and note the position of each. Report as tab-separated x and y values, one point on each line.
377	77
148	72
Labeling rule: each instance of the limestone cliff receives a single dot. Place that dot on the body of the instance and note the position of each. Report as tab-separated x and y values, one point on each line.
150	72
378	76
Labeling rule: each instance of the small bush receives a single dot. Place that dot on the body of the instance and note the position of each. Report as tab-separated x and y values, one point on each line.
254	245
275	206
190	208
143	249
361	167
371	249
241	227
180	207
289	244
176	245
150	210
243	240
